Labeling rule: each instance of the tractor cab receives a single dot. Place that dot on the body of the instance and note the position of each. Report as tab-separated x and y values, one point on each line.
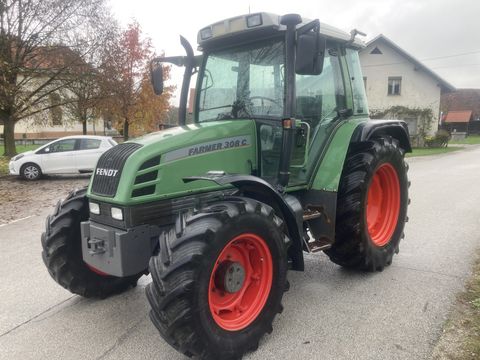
251	68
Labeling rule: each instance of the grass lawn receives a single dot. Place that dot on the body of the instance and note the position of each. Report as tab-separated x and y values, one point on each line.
4	165
470	140
432	151
23	148
471	316
5	160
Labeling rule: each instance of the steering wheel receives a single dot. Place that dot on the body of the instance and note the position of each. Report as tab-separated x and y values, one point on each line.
265	108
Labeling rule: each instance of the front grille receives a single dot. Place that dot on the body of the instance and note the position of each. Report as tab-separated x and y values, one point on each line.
105	182
147	190
150	176
150	163
146	177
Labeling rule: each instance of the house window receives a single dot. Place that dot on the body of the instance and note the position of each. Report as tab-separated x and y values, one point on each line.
365	83
394	85
376	51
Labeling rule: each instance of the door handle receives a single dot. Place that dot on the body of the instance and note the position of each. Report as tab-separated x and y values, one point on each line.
307	145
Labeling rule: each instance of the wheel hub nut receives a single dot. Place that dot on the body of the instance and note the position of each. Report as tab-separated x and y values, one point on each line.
230	276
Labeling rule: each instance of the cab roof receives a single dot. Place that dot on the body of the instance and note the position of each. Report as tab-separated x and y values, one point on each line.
268	24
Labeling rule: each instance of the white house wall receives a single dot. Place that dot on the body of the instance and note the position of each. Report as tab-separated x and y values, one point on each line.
418	88
40	125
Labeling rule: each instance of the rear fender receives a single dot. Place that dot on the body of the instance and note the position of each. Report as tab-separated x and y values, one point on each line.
397	129
288	207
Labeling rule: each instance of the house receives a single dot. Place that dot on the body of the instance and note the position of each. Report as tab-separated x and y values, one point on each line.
399	86
54	107
462	100
54	124
457	121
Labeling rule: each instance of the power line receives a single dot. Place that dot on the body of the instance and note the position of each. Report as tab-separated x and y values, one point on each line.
451	66
450	56
427	59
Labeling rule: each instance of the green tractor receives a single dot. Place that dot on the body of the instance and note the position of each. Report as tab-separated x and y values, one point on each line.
281	159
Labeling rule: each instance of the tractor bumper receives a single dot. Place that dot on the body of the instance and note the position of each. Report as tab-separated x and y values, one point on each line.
118	252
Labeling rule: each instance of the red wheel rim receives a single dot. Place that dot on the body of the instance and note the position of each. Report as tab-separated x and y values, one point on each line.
234	311
383	204
96	271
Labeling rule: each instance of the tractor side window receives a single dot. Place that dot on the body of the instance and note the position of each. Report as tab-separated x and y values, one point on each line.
270	135
318	98
360	105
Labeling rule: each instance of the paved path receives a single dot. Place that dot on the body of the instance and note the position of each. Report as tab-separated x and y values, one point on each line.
330	313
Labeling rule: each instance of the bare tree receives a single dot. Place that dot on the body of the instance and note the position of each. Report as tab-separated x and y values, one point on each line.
83	93
42	42
82	96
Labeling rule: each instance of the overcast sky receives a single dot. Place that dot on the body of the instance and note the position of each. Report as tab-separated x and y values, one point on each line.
424	28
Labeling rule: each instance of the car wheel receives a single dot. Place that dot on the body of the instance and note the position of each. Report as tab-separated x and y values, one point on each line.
31	172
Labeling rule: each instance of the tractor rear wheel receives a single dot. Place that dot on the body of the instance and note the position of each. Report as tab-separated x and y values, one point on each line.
62	252
371	205
219	278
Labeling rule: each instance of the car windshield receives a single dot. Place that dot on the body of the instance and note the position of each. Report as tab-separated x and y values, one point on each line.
243	82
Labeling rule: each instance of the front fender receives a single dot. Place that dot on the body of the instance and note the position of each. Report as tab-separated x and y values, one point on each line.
287	206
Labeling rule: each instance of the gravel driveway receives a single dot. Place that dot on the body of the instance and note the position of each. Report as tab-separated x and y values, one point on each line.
20	198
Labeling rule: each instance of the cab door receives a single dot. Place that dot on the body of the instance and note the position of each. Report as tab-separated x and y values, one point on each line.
319	99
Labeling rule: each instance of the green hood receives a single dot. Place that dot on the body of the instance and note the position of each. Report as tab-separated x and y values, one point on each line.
184	151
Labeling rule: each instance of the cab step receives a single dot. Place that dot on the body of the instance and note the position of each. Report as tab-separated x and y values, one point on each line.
317	245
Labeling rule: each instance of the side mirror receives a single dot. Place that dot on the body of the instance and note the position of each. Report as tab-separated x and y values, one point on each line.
47	149
310	53
156	74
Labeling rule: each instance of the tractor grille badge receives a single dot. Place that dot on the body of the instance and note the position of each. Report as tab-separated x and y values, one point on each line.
109	168
106	172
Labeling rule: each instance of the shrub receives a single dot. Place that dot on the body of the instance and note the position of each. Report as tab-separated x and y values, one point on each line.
440	139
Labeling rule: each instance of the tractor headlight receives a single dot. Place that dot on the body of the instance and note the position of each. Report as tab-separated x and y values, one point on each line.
117	213
94	208
206	33
254	20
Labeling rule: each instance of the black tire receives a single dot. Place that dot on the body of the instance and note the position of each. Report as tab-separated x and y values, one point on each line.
353	247
181	273
30	172
62	252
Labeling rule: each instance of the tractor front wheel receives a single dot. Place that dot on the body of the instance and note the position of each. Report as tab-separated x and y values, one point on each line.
371	205
219	278
62	252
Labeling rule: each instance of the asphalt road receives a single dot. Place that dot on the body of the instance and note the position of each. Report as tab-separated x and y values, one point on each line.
330	313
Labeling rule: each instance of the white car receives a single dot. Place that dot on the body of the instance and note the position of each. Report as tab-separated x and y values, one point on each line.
68	155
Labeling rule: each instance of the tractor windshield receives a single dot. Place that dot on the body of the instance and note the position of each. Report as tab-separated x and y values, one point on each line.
243	82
